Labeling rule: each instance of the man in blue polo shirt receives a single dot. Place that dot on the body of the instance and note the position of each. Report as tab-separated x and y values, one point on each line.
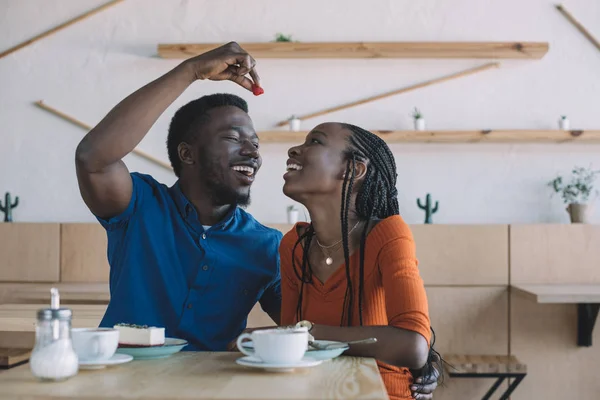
185	257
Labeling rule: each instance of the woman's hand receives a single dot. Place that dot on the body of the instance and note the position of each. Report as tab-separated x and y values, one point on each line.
424	386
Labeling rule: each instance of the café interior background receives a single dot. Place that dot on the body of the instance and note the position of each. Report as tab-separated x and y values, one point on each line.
89	67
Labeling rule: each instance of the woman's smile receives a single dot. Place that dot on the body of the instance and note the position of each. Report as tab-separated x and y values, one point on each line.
293	167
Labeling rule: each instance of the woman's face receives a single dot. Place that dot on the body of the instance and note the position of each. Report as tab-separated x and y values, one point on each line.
317	166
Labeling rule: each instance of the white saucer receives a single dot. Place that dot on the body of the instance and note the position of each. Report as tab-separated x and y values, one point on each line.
337	349
99	364
255	362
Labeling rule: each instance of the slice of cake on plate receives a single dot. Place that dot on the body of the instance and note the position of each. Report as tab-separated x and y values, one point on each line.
140	335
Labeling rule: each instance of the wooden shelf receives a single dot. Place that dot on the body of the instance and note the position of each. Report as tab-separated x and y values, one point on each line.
587	298
483	136
494	50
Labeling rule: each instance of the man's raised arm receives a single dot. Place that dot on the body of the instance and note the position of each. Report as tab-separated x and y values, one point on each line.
104	181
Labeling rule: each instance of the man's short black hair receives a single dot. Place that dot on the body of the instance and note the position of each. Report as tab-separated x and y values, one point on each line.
183	127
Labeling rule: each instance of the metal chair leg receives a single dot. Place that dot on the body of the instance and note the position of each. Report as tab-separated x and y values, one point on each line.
493	388
512	387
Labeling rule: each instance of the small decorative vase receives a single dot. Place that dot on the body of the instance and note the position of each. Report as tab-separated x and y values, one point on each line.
579	213
419	124
563	124
294	124
292	216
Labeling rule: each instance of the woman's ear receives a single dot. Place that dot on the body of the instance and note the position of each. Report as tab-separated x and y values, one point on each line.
360	170
185	153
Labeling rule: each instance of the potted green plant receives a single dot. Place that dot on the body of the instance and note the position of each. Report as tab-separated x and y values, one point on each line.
280	37
418	120
576	193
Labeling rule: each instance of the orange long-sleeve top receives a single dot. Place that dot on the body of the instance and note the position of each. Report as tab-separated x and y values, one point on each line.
394	293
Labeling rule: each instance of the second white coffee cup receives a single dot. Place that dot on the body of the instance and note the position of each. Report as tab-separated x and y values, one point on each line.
95	344
276	346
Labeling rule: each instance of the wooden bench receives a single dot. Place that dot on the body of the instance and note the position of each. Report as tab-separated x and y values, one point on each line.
79	294
22	317
488	366
70	293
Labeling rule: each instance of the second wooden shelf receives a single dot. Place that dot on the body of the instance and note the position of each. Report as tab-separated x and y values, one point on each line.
488	50
481	136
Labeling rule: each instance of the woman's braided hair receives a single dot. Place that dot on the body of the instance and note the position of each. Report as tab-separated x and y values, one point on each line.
377	198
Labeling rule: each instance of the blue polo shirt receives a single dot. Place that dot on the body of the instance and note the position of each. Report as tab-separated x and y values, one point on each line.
166	270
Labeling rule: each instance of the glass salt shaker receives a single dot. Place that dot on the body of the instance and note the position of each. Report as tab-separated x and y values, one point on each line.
53	357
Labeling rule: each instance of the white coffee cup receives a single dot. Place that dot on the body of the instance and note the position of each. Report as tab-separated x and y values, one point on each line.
95	344
276	346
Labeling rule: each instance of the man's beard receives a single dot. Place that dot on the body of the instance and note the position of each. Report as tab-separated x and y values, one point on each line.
220	193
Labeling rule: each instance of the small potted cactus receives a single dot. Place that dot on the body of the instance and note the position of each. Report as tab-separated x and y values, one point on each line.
292	214
428	208
419	121
8	206
563	123
294	122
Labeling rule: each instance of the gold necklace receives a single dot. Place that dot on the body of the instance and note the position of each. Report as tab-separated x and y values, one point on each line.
324	249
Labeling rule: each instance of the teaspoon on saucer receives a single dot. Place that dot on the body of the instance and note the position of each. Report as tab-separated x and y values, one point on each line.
330	346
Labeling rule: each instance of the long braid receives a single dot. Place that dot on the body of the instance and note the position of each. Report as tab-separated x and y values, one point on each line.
305	275
361	278
378	197
346	197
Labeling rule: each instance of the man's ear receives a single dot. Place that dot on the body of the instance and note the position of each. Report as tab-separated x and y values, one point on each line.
185	153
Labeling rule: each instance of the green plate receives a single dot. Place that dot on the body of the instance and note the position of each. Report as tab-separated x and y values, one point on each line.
171	346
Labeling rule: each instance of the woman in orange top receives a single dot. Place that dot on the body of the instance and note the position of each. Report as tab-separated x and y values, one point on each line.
352	272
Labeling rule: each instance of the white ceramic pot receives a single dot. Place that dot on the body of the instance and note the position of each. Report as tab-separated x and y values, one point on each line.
292	216
419	124
580	213
563	124
294	124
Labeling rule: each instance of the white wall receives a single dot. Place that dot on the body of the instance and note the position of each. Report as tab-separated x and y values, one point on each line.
87	68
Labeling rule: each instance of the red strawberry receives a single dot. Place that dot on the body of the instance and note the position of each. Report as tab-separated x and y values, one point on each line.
257	90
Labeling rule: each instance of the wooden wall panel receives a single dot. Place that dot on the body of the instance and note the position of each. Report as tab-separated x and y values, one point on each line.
462	254
543	336
29	252
458	254
468	320
83	253
555	253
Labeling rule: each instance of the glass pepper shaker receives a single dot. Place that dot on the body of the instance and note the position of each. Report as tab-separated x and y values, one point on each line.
53	357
